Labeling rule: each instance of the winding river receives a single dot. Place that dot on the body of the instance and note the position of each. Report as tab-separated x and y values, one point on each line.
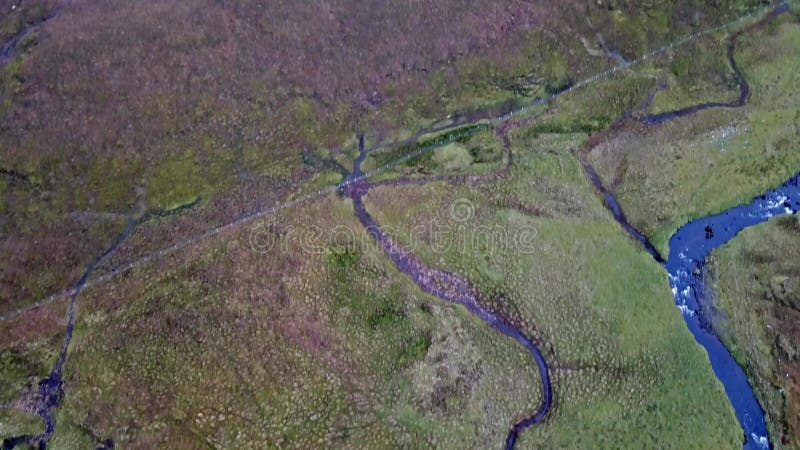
691	244
744	86
445	286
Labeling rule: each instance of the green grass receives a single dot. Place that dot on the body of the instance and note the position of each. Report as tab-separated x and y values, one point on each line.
468	149
14	423
584	289
755	282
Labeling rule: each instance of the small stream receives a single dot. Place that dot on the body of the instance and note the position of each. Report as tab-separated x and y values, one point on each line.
9	47
616	210
445	286
50	390
741	80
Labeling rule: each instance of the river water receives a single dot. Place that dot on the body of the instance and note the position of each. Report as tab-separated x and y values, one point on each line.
688	249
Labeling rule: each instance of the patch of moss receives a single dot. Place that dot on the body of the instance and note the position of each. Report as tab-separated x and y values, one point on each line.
177	209
453	157
485	147
14	422
175	182
557	74
342	259
305	111
10	84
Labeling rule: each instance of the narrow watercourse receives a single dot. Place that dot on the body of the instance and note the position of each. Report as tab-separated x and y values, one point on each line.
49	393
445	285
9	47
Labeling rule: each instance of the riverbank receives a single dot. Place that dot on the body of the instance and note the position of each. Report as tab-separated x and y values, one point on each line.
755	285
692	243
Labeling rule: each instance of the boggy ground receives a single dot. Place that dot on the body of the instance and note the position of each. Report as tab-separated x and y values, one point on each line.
320	341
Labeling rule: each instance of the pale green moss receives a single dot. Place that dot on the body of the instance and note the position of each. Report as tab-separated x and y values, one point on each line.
175	182
453	157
